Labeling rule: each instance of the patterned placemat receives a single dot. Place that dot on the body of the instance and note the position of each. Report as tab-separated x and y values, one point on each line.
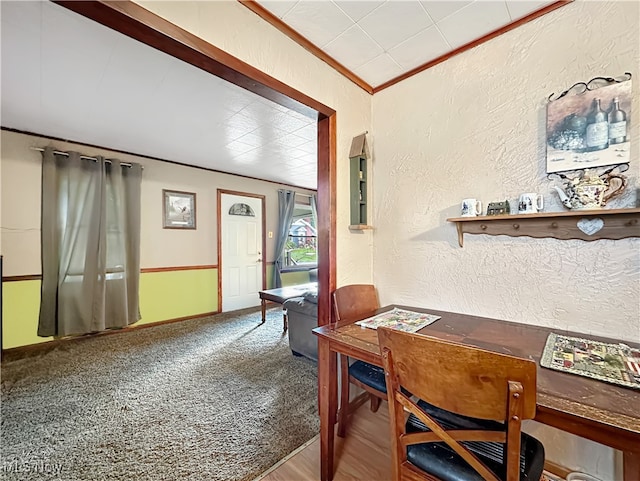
400	319
614	363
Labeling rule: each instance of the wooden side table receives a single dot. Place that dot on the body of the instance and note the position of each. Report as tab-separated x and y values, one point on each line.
280	295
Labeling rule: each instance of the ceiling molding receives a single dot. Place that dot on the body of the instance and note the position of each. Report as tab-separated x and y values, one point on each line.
150	157
303	42
475	43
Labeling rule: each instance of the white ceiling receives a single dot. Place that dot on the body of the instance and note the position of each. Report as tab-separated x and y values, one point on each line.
68	77
381	40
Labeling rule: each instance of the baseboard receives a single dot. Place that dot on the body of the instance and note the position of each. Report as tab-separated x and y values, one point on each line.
20	352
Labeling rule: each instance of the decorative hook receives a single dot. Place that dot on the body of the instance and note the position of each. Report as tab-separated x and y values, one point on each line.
590	85
620	166
562	176
580	172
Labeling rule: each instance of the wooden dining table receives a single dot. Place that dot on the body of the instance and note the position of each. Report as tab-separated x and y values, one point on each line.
602	412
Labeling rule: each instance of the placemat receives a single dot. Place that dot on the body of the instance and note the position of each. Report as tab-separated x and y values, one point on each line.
613	363
400	319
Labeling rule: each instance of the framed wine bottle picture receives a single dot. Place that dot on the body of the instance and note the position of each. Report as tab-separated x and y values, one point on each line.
588	125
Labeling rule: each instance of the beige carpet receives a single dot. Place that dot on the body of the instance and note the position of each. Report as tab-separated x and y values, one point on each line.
217	398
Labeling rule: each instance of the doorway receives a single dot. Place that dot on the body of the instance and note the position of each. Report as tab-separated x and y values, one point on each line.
240	249
133	20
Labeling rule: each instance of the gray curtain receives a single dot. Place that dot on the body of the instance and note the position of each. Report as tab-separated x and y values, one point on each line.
90	244
286	204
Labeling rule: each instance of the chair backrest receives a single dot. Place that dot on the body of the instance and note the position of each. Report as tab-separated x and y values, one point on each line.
464	380
354	300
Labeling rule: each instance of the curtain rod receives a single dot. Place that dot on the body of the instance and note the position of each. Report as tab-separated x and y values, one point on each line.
298	193
86	157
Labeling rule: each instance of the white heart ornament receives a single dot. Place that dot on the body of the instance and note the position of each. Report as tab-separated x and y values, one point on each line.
590	226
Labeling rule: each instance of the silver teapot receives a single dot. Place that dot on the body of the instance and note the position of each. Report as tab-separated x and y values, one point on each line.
589	190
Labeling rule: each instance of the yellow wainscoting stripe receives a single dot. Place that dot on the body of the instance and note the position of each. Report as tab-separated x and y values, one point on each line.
294	278
173	294
20	311
288	278
163	295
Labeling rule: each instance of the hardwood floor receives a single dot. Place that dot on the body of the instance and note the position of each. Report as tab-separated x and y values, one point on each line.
363	454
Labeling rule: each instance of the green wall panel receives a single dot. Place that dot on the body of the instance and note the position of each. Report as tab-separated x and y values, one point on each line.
295	278
169	295
20	310
288	278
163	296
269	274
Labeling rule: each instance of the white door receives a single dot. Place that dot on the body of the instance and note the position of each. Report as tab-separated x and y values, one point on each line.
241	247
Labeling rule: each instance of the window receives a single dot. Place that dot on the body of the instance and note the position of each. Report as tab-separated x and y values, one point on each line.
302	245
91	244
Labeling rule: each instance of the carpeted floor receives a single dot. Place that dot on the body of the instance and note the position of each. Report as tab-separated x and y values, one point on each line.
217	398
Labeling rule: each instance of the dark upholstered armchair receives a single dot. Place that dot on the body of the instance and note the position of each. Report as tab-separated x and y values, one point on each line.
302	314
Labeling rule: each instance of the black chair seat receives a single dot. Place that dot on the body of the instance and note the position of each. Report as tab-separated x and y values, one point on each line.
439	460
368	374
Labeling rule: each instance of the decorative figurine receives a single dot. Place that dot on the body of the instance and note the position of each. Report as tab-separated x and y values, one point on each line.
498	208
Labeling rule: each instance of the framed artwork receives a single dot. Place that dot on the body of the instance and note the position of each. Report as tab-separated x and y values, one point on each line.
591	128
178	209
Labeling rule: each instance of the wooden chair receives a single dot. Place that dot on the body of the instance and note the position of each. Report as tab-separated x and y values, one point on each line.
467	423
357	300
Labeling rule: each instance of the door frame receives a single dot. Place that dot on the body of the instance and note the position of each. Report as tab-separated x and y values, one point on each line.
135	21
262	198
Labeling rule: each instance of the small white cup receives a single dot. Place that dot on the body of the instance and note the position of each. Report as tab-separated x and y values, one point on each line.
471	208
530	203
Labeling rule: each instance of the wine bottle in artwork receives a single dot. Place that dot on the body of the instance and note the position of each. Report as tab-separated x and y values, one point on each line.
617	123
597	133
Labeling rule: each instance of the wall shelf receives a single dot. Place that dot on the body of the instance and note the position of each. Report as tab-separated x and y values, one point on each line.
359	192
588	225
360	227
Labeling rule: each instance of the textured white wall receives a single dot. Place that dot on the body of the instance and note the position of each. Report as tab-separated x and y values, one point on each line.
235	29
474	126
